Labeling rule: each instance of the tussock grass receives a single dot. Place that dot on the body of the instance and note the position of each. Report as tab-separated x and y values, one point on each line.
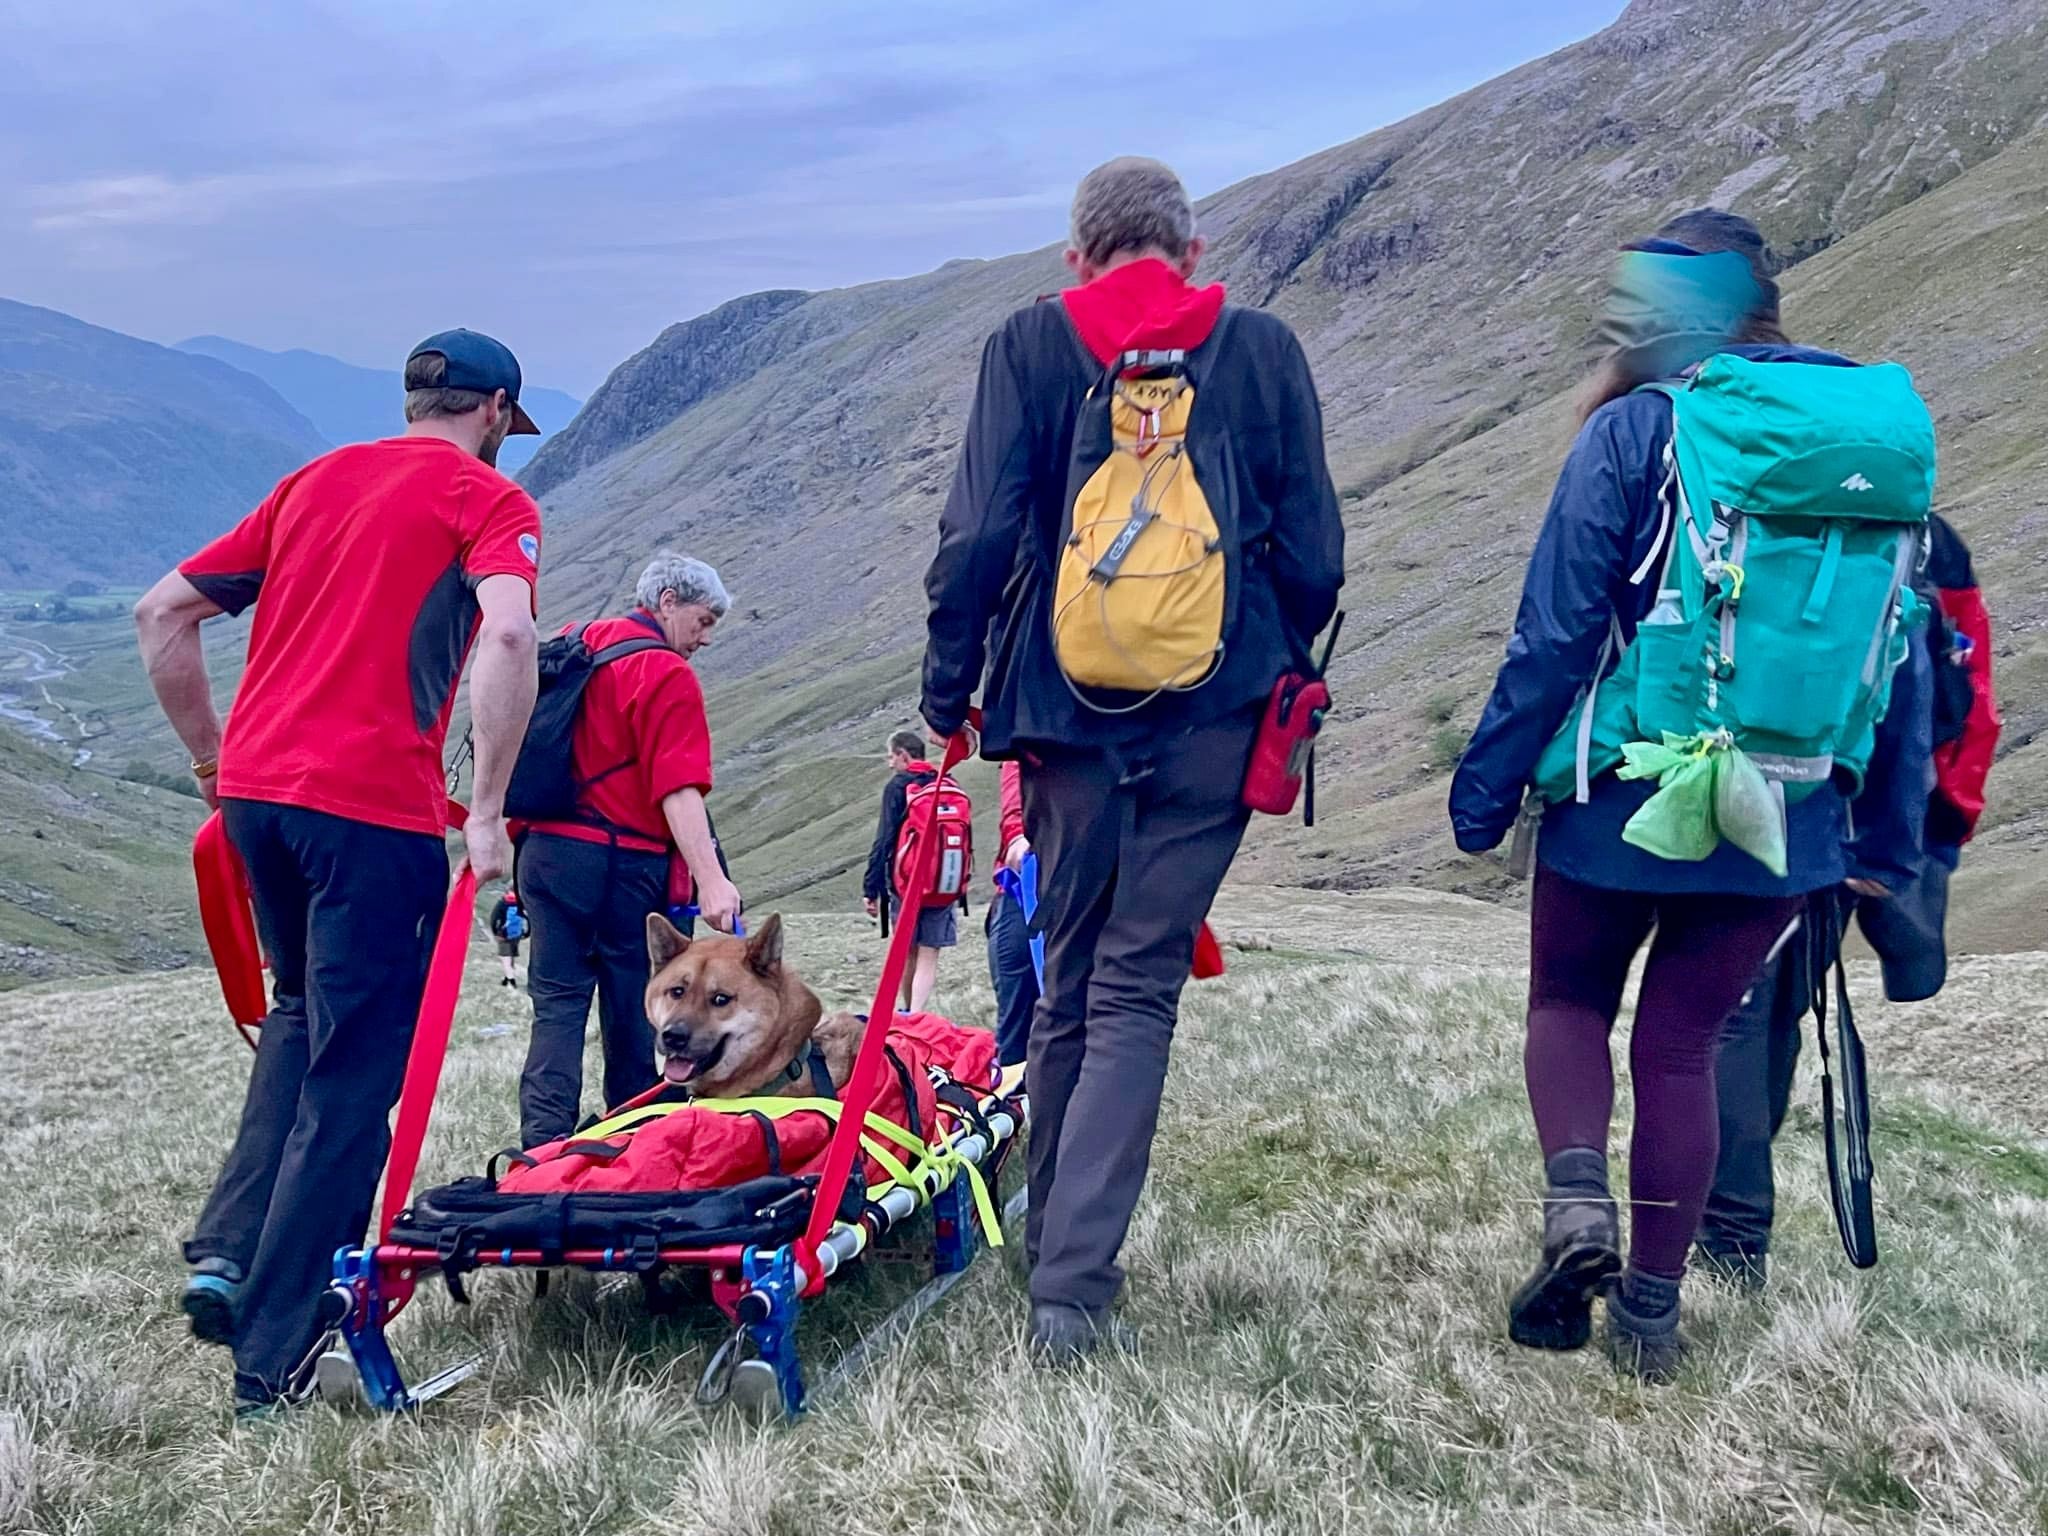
1343	1198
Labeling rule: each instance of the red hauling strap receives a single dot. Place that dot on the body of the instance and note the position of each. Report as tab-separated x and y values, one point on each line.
429	1046
228	917
859	1093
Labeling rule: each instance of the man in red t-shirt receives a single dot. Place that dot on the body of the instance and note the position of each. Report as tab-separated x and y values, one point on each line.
641	754
373	570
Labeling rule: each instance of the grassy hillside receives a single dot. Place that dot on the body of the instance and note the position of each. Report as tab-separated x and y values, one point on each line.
1342	1201
95	873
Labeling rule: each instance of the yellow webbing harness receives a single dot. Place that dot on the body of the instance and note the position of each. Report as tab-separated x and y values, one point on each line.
929	1169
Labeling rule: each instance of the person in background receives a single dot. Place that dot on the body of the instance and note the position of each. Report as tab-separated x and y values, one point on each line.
1009	937
1598	899
642	758
373	572
1136	814
508	930
1920	804
937	927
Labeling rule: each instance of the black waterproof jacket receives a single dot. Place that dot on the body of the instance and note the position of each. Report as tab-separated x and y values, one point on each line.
990	585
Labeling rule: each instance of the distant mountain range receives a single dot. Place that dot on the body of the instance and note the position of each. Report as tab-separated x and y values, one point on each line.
117	456
355	405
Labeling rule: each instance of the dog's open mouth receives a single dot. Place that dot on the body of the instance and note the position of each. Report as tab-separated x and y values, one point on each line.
683	1069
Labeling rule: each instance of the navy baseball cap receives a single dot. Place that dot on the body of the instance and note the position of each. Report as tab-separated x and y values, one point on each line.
482	363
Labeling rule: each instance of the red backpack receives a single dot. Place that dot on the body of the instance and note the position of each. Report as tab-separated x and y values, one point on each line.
940	802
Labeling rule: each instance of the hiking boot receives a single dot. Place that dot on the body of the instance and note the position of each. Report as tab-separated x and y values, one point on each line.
1581	1256
211	1294
1063	1336
1745	1271
1642	1343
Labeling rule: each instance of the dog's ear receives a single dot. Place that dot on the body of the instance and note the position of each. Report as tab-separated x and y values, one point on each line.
764	948
664	942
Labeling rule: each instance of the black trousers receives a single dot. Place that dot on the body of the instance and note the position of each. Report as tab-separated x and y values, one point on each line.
347	913
1753	1068
588	903
1011	973
1133	846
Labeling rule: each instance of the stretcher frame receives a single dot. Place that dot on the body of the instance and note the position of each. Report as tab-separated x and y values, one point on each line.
759	1291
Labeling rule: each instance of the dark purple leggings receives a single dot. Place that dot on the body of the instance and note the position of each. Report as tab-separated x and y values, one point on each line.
1707	951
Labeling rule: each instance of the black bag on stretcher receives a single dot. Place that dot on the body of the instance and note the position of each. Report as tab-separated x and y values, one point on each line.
1284	752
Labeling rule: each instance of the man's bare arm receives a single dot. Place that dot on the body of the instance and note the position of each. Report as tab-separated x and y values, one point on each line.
502	682
167	624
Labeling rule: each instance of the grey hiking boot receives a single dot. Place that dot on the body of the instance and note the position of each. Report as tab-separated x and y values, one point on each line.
1063	1336
1581	1256
1644	1344
212	1291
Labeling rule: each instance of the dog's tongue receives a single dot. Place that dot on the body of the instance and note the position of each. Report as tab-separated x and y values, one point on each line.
679	1069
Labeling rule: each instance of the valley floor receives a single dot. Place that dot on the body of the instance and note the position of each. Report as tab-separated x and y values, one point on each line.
1342	1200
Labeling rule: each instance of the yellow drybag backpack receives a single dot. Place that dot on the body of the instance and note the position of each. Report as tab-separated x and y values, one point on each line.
1146	590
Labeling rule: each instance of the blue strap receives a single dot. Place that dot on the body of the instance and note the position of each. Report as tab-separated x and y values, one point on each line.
692	913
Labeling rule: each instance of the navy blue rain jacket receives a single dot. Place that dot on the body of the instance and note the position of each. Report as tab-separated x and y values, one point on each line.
1600	529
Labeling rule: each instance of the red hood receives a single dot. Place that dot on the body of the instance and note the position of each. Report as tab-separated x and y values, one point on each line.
1143	306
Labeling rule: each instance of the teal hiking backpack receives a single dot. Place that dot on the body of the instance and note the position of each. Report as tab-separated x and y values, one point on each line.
1794	509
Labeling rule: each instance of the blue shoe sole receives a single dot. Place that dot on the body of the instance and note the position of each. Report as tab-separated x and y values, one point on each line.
209	1303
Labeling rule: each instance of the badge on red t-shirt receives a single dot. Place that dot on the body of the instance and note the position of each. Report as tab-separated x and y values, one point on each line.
366	563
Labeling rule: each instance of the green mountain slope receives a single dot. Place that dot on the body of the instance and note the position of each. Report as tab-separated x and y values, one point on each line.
117	456
1443	274
1953	285
95	873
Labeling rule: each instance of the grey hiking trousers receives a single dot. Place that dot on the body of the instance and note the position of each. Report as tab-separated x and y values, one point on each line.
1133	844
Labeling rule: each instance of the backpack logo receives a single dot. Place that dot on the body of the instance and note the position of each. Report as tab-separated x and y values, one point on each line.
1856	482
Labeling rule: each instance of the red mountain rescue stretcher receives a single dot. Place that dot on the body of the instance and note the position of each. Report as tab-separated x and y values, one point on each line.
771	1198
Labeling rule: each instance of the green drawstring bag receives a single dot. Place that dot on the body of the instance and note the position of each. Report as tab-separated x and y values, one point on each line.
1748	810
1678	821
1708	791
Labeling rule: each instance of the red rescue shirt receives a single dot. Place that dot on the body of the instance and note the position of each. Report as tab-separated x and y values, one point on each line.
641	736
366	562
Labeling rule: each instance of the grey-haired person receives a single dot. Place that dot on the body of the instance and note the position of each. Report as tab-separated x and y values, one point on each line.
639	841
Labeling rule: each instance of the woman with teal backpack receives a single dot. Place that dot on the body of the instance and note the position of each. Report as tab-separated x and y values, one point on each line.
1705	643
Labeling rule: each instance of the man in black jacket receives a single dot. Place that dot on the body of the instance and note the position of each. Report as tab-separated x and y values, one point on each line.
1132	805
937	927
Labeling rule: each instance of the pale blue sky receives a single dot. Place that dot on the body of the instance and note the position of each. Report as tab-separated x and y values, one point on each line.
573	177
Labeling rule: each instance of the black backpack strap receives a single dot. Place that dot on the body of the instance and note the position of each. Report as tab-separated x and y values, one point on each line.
769	1140
821	1073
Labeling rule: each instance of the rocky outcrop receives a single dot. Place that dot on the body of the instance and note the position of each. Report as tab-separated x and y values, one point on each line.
686	364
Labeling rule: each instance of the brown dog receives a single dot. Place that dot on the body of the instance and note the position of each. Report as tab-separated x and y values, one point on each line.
732	1021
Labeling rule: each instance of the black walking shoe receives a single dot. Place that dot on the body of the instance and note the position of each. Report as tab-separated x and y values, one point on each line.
1063	1336
1581	1256
212	1292
1646	1346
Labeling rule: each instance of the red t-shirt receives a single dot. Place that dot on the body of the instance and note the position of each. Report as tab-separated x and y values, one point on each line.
641	734
366	562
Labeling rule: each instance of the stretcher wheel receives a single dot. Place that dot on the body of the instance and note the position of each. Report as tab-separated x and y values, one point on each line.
337	1382
755	1393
